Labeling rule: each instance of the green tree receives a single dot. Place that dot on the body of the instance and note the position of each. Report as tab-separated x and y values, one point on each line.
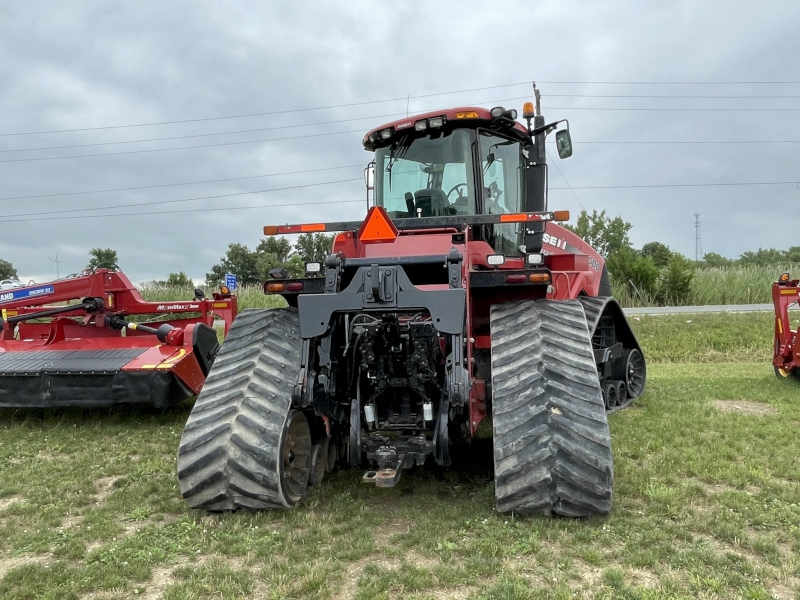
279	247
102	258
762	257
675	282
7	270
660	253
635	272
604	234
179	280
238	260
313	247
714	260
793	254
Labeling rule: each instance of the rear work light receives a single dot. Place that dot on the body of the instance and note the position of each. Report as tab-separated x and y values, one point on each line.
386	134
436	121
421	125
313	267
535	259
495	260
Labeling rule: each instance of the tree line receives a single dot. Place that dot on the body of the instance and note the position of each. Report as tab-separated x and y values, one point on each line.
653	271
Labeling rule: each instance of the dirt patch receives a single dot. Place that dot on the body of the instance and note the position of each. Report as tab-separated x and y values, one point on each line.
721	488
744	407
589	576
421	561
383	533
105	486
8	501
70	521
785	590
353	571
722	548
7	564
132	527
59	456
643	578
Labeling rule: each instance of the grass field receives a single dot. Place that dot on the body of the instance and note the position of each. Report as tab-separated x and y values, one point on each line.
707	504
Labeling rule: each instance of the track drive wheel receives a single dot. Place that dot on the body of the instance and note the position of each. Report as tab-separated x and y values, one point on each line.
552	446
631	371
242	446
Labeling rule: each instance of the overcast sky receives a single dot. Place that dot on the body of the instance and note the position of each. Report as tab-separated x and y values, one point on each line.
105	66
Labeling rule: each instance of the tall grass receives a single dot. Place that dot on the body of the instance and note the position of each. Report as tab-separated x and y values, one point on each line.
722	285
248	296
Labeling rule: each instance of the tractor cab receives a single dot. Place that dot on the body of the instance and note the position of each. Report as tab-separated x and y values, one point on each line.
466	161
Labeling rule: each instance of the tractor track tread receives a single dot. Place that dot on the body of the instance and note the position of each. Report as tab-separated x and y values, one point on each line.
228	457
552	442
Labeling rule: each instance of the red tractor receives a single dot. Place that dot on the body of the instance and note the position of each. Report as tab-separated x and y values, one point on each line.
456	300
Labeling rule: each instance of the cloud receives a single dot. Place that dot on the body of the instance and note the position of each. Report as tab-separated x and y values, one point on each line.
96	64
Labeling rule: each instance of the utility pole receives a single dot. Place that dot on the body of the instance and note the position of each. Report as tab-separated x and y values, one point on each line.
698	244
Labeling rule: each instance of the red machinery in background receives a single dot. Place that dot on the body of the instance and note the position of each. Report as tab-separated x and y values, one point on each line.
68	343
786	355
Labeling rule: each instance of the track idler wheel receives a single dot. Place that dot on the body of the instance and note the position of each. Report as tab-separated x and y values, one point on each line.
319	462
631	370
296	451
610	395
333	456
622	393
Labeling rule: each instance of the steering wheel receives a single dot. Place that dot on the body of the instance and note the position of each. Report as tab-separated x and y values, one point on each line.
454	188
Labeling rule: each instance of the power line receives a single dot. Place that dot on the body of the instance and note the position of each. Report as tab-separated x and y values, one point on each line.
673	185
199	135
555	164
148	187
264	114
162	202
672	82
169	212
772	97
689	142
406	98
295	137
149	150
200	210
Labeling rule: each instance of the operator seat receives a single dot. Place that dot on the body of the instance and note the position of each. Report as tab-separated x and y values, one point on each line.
433	203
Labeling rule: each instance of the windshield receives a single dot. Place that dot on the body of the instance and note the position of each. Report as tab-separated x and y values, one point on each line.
501	166
426	177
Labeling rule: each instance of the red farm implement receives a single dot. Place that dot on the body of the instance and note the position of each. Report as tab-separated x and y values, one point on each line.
70	343
786	354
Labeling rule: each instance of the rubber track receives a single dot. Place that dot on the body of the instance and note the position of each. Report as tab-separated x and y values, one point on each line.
552	446
593	307
229	451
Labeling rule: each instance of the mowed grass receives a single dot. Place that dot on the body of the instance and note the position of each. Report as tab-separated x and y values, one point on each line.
707	503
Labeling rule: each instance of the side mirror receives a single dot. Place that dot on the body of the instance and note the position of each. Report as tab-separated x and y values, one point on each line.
369	176
564	143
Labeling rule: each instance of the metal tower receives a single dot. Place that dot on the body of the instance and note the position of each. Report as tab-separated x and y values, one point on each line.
698	244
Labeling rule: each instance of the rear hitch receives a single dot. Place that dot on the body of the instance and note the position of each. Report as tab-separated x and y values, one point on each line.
390	467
